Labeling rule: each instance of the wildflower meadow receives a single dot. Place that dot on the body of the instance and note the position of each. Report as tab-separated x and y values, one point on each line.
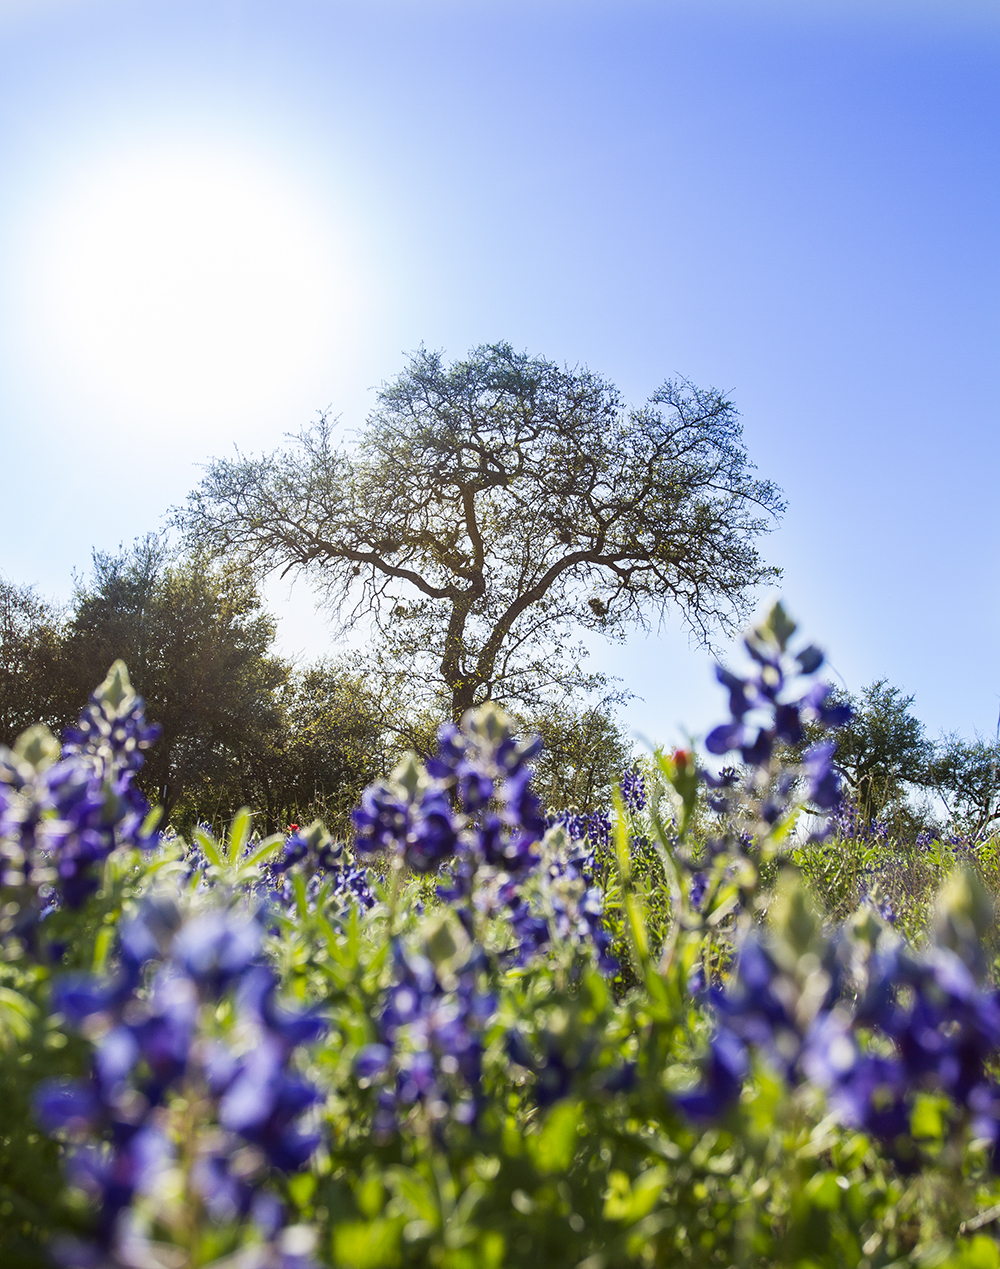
721	1023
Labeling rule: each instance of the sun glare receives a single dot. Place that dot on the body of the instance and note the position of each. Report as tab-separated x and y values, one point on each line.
177	287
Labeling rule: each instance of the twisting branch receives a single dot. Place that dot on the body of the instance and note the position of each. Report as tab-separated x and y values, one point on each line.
492	505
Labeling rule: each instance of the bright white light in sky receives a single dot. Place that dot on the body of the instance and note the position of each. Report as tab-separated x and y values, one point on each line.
178	286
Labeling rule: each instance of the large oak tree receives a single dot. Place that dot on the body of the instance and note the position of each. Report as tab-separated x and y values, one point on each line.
491	507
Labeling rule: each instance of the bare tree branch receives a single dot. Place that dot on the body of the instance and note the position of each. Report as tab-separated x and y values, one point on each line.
491	506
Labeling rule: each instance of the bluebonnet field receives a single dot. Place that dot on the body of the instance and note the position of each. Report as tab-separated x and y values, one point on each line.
682	1033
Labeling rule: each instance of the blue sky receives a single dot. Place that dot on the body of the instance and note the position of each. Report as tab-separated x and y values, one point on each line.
217	218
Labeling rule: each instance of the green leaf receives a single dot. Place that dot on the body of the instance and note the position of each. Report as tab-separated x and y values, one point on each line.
301	1188
301	902
102	947
981	1253
927	1120
556	1144
209	846
266	848
151	821
646	1192
16	1016
417	1195
239	834
823	1191
364	1245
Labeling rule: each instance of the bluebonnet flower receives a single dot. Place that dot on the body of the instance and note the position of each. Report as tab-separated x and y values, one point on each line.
773	693
768	707
598	830
720	785
491	837
407	818
63	812
724	1073
112	731
577	825
847	824
758	1006
325	865
593	828
562	1057
554	1070
871	891
633	791
809	1010
822	777
151	1020
470	807
430	1026
560	903
483	760
473	799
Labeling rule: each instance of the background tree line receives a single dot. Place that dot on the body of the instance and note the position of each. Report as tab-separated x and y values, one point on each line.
897	775
242	725
487	512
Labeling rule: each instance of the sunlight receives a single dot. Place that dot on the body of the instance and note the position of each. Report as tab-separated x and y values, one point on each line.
183	285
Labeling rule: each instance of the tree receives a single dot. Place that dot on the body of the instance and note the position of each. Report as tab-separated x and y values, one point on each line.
882	749
30	631
491	507
964	775
584	754
335	743
196	643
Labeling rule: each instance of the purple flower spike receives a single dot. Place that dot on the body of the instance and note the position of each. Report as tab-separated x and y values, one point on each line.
262	1104
217	948
67	1105
633	791
772	706
822	775
80	996
727	1067
372	1060
158	1047
725	738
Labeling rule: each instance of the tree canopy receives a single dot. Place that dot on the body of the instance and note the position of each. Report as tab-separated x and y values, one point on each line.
584	754
963	773
491	507
883	749
197	645
29	646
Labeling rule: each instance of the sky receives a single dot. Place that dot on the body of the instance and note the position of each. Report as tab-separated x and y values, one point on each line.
220	217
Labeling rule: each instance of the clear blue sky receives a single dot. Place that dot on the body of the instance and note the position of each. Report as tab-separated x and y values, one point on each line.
219	217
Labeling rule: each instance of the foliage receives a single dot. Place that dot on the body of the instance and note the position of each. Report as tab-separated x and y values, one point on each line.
29	641
882	749
238	724
493	506
583	753
197	643
335	743
964	774
491	1048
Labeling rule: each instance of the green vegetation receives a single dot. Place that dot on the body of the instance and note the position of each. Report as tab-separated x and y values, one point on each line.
681	1033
